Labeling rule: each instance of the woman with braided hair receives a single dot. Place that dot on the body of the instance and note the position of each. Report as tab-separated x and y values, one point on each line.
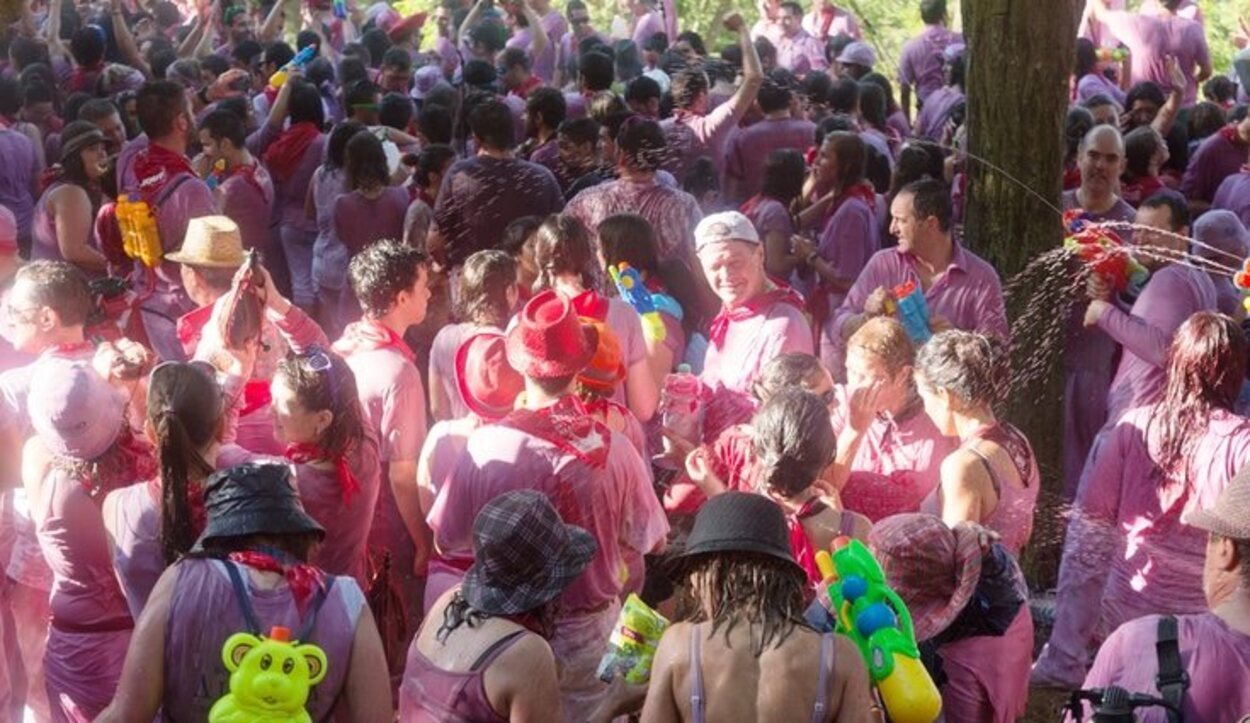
992	478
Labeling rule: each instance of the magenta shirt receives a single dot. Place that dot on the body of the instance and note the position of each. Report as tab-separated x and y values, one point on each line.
616	504
359	221
751	343
1173	294
1234	195
292	193
17	178
673	213
544	65
801	54
748	150
932	117
1216	159
691	136
1212	654
849	239
968	295
898	463
1151	39
922	64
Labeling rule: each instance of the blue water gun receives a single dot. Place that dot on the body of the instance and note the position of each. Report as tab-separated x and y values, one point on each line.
302	58
907	302
629	282
340	9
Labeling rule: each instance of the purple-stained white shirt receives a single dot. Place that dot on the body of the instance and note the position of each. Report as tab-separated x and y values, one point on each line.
1233	195
672	212
921	64
801	54
543	65
749	149
690	136
1092	84
1151	39
752	343
849	239
843	23
249	202
937	108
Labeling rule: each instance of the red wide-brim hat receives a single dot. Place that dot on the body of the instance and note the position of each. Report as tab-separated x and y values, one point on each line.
486	381
548	340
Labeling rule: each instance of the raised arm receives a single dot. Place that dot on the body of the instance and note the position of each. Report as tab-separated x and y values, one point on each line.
752	70
1166	116
52	32
538	34
187	48
271	29
126	41
475	14
281	104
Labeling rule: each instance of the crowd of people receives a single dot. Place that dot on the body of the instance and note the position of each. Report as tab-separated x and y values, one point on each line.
361	366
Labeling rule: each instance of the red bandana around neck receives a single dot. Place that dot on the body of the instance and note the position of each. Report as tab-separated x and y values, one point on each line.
301	578
591	305
862	190
156	165
568	426
305	452
195	499
1230	134
371	335
779	294
284	154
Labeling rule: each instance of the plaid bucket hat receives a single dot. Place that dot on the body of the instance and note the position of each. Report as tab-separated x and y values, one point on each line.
524	555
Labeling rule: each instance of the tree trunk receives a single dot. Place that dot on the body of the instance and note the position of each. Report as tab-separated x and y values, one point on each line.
1020	56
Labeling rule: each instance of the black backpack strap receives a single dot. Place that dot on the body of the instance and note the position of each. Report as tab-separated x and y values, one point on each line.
1172	680
242	598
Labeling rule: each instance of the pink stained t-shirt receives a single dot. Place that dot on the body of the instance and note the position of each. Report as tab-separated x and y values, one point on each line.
614	503
801	54
691	136
1233	195
931	120
1219	156
1151	40
749	149
898	463
922	65
359	221
672	212
751	343
1128	552
247	197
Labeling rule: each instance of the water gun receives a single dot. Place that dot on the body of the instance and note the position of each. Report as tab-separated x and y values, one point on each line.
140	237
1241	280
217	175
907	303
1103	251
270	678
1118	55
340	9
629	282
302	58
877	621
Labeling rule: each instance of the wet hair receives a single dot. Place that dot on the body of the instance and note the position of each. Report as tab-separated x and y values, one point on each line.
225	125
1076	124
95	110
603	104
1086	58
278	53
237	105
1140	146
852	157
832	124
305	104
490	34
356	51
479	74
365	165
596	71
88	45
432	159
332	390
214	64
308	38
1147	91
773	96
844	96
184	411
815	88
397	58
60	286
580	131
158	106
701	178
484	283
732	54
320	72
1205	119
548	104
435	123
459	612
784	171
186	71
761	591
793	369
793	441
968	365
352	71
932	12
517	233
628	60
1205	370
395	111
630	238
362	92
246	53
642	89
381	271
641	144
1177	207
1220	89
694	40
930	198
687	86
40	92
885	338
882	82
872	105
492	124
514	58
562	245
916	160
336	145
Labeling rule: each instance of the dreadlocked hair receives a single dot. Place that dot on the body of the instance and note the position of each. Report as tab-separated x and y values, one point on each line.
759	590
1205	371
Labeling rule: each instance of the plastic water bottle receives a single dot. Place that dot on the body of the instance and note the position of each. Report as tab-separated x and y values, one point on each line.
680	410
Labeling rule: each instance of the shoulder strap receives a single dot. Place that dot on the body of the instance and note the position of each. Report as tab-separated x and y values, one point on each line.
495	650
249	613
305	630
989	468
820	709
696	673
169	189
1172	680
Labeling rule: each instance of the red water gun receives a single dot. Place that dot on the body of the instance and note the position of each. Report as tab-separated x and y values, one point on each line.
1102	250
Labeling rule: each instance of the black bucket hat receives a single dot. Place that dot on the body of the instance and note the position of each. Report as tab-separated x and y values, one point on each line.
738	522
524	555
254	499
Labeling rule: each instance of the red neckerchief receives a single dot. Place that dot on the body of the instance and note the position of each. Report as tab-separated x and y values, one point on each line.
862	190
155	166
305	452
567	425
256	395
827	14
528	87
285	153
780	294
301	578
371	335
84	77
591	305
800	545
190	327
195	500
1139	189
248	172
68	351
1229	133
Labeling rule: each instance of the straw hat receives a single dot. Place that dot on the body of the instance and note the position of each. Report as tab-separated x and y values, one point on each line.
212	241
1230	517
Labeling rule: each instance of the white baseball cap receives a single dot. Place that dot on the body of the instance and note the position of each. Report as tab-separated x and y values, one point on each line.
725	226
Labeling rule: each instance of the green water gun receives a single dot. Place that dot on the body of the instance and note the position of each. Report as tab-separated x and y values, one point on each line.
877	621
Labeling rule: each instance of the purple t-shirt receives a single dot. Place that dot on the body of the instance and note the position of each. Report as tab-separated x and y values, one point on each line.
1151	39
922	65
17	178
673	213
690	136
1234	195
482	195
648	25
248	198
292	193
801	54
849	239
749	148
359	221
936	110
544	65
1092	84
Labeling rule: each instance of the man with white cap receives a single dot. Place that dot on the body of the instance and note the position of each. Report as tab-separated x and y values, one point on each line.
758	320
1130	659
1223	239
857	59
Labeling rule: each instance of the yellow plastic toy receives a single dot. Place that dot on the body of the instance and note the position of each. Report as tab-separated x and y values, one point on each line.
140	238
270	677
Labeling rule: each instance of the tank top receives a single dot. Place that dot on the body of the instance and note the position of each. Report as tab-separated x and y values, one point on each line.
137	554
204	612
44	246
430	694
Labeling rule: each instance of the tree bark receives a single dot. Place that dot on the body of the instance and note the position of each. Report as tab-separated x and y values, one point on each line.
1019	59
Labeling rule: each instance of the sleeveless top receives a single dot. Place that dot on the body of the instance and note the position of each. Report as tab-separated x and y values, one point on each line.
698	701
204	612
43	245
430	694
